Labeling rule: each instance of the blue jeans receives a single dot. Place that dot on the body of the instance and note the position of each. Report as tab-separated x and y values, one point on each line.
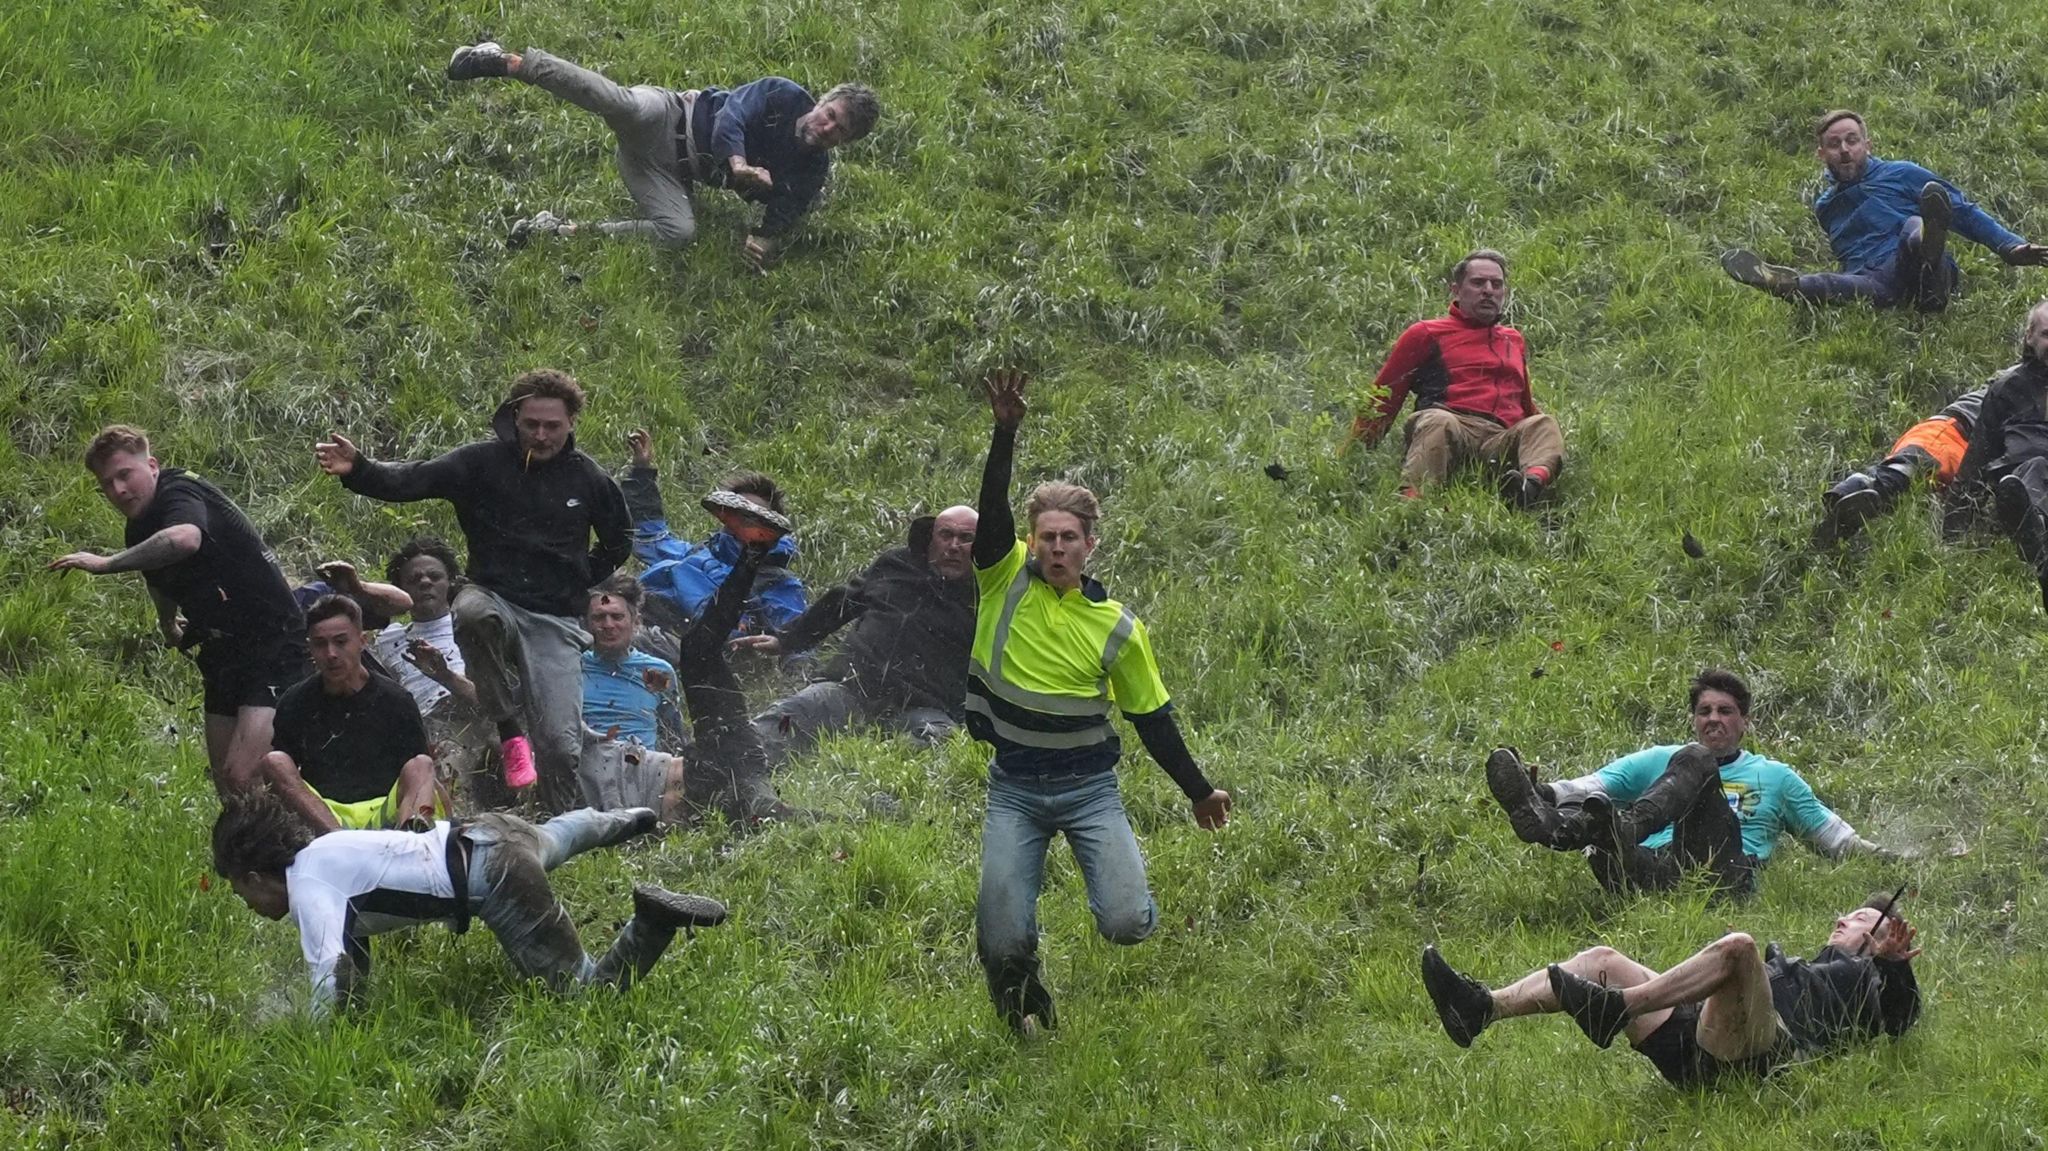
1899	280
1024	812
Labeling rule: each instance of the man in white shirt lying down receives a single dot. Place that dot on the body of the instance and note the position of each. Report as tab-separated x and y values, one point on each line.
346	886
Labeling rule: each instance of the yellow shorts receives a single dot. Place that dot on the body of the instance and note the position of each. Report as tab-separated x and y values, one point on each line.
378	814
363	815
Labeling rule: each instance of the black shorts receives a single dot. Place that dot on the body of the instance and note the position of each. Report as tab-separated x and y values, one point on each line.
1675	1049
246	671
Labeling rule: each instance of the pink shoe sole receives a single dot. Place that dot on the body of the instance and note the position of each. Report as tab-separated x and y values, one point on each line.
519	772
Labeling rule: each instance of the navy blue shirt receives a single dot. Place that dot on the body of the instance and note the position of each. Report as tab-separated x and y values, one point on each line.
757	123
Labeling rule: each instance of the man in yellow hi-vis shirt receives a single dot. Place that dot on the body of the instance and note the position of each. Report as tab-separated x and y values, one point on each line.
1052	655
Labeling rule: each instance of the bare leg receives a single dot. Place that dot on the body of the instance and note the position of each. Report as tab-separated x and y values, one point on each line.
417	785
283	777
220	732
248	741
1531	995
1737	1019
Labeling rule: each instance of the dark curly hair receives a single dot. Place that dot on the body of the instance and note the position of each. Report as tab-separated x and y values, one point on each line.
1714	679
547	384
422	546
257	834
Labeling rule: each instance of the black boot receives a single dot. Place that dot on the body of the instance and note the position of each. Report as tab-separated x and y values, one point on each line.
676	910
1463	1004
1850	504
1691	771
1022	1001
1601	1012
1514	789
1535	818
2022	520
657	915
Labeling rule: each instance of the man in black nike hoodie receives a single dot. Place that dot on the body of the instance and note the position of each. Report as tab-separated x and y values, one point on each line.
528	503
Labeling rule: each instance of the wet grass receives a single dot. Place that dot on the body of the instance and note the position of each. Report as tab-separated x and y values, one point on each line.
243	224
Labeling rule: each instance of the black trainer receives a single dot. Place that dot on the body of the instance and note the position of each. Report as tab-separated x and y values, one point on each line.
472	61
1463	1004
676	910
1601	1012
1519	490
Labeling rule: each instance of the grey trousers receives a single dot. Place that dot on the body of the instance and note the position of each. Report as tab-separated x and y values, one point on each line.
645	120
622	773
508	885
528	666
794	724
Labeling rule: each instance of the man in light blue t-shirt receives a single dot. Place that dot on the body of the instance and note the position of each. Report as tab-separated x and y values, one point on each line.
627	694
1648	818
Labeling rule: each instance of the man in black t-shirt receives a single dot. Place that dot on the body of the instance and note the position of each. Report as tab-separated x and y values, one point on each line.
1724	1010
351	748
202	559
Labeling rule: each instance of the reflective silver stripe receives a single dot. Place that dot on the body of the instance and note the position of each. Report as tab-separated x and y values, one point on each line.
1036	701
1117	635
1011	599
1054	740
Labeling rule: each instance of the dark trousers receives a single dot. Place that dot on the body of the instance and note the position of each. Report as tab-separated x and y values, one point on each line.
728	768
1902	279
1705	834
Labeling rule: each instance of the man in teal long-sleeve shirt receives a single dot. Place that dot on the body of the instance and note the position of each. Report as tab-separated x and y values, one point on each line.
1646	819
1888	223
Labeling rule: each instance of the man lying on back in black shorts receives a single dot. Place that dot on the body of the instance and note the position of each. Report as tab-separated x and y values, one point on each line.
1724	1010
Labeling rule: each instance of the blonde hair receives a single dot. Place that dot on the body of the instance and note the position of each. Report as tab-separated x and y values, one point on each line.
1059	496
112	440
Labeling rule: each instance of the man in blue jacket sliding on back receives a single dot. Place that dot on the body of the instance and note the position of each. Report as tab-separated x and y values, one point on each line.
768	141
1888	222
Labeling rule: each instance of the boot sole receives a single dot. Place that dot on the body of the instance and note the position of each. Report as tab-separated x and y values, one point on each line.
1509	782
678	909
1936	214
1846	517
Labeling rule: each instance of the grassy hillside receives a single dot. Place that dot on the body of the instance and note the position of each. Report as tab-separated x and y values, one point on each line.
243	223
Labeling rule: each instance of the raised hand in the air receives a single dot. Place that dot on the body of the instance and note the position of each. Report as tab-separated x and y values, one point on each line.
642	446
1005	390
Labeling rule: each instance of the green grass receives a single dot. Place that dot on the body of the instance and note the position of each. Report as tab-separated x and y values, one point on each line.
244	224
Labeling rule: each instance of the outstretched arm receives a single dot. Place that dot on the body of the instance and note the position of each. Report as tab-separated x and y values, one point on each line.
388	599
835	609
442	477
996	533
158	551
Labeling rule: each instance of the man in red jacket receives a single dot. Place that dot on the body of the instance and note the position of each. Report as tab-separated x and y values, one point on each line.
1470	376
